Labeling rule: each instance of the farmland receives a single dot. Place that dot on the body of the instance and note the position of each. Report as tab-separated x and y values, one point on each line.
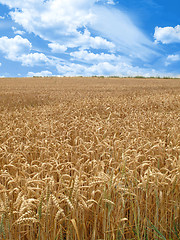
89	158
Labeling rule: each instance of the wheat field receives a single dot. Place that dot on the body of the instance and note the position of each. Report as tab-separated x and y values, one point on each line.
89	159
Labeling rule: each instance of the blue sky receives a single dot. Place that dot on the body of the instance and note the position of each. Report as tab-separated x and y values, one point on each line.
89	37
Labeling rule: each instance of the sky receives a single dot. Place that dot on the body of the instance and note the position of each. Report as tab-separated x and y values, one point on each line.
89	38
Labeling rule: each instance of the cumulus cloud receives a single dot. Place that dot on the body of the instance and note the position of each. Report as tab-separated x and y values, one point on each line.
111	2
17	32
86	56
60	22
85	40
40	74
95	39
172	58
14	47
0	64
167	35
57	48
51	19
2	17
18	49
33	59
105	69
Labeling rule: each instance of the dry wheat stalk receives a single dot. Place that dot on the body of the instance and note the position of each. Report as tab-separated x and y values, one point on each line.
89	158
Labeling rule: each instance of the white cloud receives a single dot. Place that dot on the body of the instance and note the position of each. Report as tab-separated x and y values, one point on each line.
172	58
52	19
86	56
167	35
18	49
33	59
105	69
40	74
111	2
104	39
86	41
17	32
0	64
118	27
83	41
57	48
2	17
14	47
60	22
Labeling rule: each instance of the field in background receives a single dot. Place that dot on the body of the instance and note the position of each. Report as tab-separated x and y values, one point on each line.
89	158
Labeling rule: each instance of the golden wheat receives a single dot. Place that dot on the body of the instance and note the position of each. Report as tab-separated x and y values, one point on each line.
89	158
